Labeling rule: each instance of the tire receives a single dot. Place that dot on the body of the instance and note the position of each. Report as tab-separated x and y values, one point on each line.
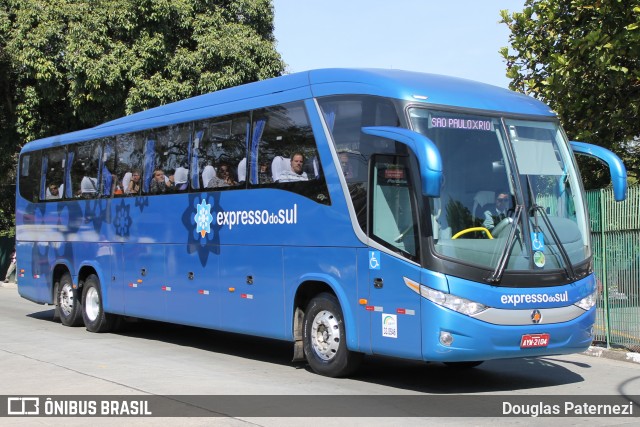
95	318
325	343
67	300
464	365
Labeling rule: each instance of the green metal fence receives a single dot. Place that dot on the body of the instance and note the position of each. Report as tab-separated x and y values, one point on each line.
615	234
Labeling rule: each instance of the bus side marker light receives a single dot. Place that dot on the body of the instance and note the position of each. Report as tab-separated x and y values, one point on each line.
363	301
232	289
139	280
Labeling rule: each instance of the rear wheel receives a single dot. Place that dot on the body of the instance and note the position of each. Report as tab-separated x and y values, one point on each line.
325	343
95	318
67	302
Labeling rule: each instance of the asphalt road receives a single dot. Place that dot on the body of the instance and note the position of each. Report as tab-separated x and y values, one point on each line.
39	356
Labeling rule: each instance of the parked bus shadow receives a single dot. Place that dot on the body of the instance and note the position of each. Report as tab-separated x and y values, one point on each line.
491	376
42	315
245	346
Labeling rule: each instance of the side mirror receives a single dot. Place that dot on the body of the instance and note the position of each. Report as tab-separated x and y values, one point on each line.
616	167
425	150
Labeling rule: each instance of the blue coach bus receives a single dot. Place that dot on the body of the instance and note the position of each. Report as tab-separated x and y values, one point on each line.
348	211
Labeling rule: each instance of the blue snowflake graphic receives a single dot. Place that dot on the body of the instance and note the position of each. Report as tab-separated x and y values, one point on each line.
203	218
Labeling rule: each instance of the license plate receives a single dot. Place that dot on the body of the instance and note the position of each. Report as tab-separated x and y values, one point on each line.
534	340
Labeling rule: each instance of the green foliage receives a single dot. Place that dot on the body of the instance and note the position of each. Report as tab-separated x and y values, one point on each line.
582	57
72	64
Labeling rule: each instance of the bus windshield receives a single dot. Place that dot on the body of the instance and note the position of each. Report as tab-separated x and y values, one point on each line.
510	194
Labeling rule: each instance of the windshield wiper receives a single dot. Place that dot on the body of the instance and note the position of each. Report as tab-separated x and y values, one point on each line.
571	274
496	276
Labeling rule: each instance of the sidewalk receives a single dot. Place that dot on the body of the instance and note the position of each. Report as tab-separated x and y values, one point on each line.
12	285
615	354
593	351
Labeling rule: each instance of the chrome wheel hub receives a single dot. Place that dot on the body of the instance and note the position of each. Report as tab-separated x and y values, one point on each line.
92	304
66	299
325	335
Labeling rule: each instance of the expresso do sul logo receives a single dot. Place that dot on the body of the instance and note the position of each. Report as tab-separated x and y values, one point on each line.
204	218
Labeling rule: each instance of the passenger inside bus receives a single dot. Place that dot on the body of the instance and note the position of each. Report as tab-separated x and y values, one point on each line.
223	178
294	172
116	187
53	192
160	183
264	174
131	182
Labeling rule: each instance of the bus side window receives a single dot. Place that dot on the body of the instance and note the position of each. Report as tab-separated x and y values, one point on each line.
83	163
53	165
29	181
129	161
344	116
111	177
169	153
283	141
219	146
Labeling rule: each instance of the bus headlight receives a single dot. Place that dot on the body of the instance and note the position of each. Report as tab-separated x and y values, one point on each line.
587	302
452	302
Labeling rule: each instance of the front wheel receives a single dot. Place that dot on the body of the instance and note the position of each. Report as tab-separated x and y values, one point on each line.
67	302
325	343
95	319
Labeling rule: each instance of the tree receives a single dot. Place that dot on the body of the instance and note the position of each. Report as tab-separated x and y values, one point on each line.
582	57
71	64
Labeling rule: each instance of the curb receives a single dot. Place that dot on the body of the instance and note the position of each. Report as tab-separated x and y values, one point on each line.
613	354
593	351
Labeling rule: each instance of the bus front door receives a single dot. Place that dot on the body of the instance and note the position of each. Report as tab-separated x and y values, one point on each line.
394	306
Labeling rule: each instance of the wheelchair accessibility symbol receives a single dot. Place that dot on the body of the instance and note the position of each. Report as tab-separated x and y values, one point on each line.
374	260
537	241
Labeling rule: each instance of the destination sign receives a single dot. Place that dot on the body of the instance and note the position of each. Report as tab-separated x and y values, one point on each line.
461	123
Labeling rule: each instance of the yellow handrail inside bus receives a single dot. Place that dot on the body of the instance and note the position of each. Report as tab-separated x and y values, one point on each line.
469	230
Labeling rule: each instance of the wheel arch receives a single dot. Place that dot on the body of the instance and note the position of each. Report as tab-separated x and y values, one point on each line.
313	285
85	271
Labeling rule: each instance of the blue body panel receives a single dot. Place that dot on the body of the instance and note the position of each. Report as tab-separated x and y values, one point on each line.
242	275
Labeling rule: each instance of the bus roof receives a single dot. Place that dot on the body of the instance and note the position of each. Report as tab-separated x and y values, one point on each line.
421	88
